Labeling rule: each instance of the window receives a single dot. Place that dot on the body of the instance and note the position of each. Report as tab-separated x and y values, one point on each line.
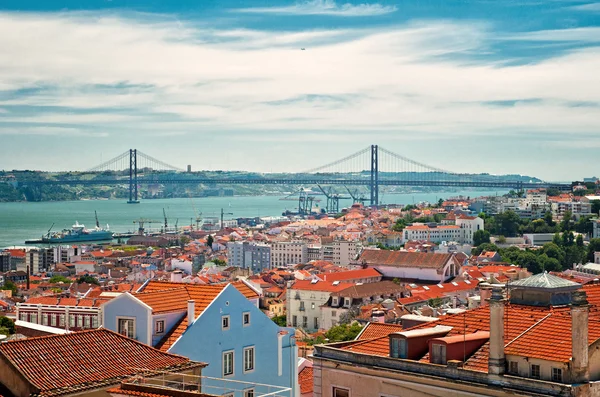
44	319
225	322
246	319
312	306
556	375
333	313
61	321
95	322
159	326
249	393
294	321
301	306
227	363
438	353
126	326
53	320
304	322
513	367
248	359
535	371
33	318
23	316
86	321
334	302
339	392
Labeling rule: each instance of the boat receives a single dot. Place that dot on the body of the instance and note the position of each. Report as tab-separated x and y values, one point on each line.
78	233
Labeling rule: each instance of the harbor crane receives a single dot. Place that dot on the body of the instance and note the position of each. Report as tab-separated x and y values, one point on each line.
357	197
166	229
333	200
141	222
224	213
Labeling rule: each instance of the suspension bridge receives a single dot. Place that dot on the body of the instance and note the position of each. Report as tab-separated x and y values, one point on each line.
372	167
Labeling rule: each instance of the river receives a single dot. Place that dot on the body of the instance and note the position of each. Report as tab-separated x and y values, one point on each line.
21	221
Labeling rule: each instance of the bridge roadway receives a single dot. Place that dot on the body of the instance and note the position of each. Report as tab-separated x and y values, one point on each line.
305	181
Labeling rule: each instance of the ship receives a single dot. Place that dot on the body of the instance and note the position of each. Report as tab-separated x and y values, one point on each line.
77	234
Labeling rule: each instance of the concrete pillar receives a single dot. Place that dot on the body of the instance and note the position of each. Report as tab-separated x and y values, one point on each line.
579	337
496	362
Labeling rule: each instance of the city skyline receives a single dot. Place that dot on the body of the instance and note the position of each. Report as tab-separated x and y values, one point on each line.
281	86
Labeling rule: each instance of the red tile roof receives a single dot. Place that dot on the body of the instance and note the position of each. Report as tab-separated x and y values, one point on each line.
350	275
305	379
405	259
69	363
377	330
327	286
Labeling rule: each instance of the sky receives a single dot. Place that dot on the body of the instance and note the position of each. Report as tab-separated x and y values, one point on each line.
502	87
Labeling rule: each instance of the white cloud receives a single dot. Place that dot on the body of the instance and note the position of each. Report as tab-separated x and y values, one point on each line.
581	35
153	76
50	131
591	7
324	7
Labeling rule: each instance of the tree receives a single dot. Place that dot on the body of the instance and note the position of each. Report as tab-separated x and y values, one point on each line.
484	247
593	246
548	219
343	332
8	324
348	316
87	279
280	320
481	237
209	241
507	223
595	206
435	302
440	202
59	279
530	261
9	285
219	262
565	224
584	225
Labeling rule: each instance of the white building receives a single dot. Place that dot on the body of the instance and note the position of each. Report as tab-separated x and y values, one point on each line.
304	300
461	232
288	253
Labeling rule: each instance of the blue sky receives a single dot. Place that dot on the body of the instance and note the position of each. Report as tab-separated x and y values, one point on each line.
508	86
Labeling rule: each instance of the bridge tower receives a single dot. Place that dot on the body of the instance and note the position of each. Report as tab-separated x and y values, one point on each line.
374	175
133	177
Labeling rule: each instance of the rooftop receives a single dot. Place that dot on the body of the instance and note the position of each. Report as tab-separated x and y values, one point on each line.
405	259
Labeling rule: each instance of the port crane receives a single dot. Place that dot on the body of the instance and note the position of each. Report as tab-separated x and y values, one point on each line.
224	213
166	227
141	222
333	200
197	215
357	196
305	200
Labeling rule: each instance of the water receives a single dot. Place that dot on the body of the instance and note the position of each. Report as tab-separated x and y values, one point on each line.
23	221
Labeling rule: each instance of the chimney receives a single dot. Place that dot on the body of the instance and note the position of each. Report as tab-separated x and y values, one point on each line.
496	362
191	311
177	276
579	337
485	294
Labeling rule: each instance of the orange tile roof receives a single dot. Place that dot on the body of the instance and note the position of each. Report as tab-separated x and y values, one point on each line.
70	363
43	300
305	380
327	286
350	275
377	330
165	301
405	259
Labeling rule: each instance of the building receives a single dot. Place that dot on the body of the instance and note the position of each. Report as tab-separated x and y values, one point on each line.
353	297
461	231
88	362
421	266
161	309
4	261
544	343
345	252
304	300
288	253
66	313
559	208
367	275
249	255
245	345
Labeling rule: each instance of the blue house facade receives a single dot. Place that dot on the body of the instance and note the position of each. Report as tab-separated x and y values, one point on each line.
240	343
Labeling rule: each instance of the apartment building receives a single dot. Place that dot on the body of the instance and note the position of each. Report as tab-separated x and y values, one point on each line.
304	300
575	207
249	255
4	261
288	253
461	232
73	314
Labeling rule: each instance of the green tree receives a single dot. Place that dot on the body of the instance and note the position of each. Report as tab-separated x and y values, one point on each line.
530	261
219	262
565	224
8	324
593	246
507	223
435	302
343	332
209	241
548	219
280	320
584	225
481	237
440	202
484	247
59	279
595	206
552	250
87	279
9	285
